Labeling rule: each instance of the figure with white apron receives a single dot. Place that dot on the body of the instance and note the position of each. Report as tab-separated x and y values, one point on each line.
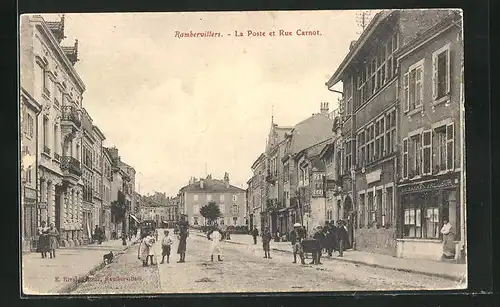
215	236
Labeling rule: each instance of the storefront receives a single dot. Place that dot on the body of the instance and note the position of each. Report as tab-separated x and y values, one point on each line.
30	218
424	205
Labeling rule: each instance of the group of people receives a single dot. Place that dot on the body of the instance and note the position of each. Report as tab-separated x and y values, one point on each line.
327	239
47	239
146	251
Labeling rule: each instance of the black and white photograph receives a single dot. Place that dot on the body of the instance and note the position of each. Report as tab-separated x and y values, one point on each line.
242	152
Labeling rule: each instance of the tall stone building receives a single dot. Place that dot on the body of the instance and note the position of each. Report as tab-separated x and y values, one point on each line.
49	78
229	198
256	195
370	129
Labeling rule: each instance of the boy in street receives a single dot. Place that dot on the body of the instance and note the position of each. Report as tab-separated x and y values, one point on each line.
266	239
255	233
166	245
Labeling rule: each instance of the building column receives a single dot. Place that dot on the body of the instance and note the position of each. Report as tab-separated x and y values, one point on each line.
63	218
52	206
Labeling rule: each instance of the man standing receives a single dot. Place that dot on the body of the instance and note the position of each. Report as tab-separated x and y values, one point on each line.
255	233
266	239
296	237
343	237
166	244
318	247
215	237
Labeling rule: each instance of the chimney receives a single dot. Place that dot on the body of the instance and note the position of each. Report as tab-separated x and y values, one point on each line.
353	43
226	179
324	108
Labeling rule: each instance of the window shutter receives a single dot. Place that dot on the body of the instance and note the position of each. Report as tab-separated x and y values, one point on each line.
450	147
404	164
434	75
407	92
419	93
448	71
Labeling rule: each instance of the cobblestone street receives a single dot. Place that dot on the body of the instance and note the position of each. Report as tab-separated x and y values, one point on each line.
245	270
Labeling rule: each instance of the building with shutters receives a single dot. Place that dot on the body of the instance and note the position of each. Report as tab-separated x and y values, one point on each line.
230	199
374	148
431	165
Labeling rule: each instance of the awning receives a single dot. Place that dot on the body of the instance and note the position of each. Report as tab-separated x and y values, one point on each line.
136	219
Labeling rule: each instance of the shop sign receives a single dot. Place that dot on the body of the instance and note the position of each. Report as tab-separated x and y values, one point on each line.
29	194
431	185
373	176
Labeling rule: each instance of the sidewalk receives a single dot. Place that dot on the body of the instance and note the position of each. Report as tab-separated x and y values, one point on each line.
71	266
453	271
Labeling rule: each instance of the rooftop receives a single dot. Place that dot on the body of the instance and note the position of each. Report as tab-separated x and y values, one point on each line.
211	186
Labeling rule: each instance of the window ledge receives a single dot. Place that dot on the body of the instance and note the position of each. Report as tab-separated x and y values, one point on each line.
444	99
46	155
414	111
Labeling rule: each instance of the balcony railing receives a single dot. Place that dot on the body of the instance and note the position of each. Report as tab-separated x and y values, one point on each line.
70	113
71	165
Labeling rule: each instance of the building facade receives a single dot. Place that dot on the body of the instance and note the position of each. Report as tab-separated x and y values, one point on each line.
97	184
229	198
30	110
432	149
90	209
107	177
121	194
369	135
257	193
50	79
314	130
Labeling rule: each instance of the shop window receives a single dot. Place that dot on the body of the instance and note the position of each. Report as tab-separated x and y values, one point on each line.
388	207
412	216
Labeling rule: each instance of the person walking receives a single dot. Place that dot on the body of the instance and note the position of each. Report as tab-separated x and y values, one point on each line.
43	239
215	236
266	241
53	234
146	251
343	237
255	233
166	244
296	237
448	240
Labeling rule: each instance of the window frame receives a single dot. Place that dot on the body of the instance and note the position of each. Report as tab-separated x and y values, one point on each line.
405	159
418	84
435	72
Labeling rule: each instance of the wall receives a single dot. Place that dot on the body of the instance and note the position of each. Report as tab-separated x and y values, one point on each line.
228	201
377	104
422	249
317	215
441	111
380	241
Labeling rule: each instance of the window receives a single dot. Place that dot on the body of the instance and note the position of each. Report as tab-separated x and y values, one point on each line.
39	79
445	147
361	148
371	208
29	124
195	220
222	209
235	220
235	197
234	209
209	197
222	197
47	82
415	156
196	197
412	217
427	152
46	135
421	215
28	174
196	209
348	157
55	141
405	158
413	86
441	72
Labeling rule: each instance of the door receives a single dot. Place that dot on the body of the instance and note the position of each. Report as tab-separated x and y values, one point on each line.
57	209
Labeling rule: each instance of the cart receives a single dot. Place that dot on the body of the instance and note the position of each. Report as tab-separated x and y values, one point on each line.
309	246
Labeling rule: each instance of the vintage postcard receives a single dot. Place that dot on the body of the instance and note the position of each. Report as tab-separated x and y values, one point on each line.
229	152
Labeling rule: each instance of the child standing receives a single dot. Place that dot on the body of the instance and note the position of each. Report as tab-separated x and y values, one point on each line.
166	245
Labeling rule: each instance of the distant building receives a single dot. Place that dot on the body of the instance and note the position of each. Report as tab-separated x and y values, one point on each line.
256	195
198	193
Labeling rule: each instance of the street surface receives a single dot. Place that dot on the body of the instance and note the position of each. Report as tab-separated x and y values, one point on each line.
245	270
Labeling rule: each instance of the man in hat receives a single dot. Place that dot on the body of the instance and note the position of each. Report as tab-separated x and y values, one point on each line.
266	239
296	237
343	237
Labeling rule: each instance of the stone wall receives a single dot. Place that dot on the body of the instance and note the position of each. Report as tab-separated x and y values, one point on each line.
380	241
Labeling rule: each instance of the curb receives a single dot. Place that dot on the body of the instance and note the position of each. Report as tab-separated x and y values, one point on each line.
445	276
67	288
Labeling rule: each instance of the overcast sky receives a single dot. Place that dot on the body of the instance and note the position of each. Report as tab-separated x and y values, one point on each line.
171	105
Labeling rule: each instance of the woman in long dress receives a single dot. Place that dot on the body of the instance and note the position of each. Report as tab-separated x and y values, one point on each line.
144	250
53	244
43	239
448	240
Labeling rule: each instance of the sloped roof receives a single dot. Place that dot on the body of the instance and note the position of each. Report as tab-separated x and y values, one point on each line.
211	186
309	132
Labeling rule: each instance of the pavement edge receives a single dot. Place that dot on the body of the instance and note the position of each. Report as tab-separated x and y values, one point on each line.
67	288
460	279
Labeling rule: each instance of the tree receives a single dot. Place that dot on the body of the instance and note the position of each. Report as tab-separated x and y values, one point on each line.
211	212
